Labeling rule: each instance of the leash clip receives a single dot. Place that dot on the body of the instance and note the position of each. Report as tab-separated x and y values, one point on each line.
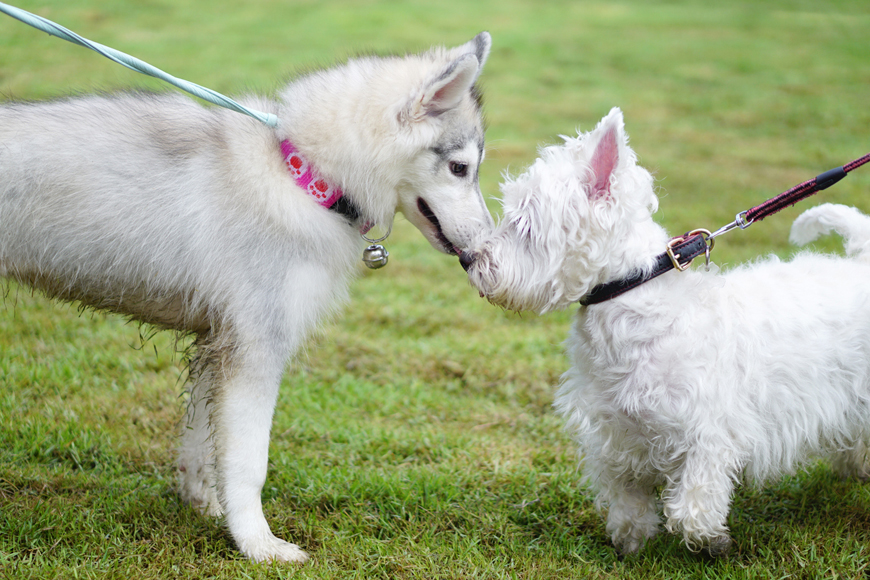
739	222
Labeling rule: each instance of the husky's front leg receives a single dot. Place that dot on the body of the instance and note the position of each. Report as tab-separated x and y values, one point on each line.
244	397
196	479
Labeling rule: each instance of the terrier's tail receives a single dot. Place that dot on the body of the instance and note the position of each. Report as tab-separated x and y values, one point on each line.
850	223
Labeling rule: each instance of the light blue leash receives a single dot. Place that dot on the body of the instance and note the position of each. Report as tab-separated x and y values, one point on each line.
135	64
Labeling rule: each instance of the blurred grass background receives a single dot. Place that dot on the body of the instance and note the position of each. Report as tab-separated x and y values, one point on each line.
415	439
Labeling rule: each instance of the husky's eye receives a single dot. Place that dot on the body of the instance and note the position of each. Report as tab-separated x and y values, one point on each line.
458	169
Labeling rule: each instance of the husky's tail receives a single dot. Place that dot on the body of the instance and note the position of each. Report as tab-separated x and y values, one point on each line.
850	223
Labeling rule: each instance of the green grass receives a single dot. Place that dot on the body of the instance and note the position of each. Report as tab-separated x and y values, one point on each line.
416	438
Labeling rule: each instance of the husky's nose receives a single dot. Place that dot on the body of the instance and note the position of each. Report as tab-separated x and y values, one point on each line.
466	259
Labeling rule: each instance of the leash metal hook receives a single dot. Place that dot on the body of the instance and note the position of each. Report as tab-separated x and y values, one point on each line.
739	222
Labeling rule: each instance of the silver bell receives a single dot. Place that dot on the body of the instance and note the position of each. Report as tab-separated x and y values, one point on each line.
375	256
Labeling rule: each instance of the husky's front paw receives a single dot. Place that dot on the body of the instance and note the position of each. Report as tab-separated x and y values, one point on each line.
196	487
272	549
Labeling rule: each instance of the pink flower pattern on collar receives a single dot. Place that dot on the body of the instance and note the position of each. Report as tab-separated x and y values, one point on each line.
306	177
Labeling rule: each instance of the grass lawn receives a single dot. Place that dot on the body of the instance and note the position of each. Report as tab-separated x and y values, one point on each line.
415	438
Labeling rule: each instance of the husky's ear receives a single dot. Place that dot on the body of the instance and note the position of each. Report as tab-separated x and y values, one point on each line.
478	46
448	89
610	136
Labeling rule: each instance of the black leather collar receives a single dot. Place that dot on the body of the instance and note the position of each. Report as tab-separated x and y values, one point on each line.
681	251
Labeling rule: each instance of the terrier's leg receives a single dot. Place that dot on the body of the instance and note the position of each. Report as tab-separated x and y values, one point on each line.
852	462
632	512
698	500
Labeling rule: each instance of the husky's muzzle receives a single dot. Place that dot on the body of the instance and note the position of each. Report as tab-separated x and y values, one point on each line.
427	212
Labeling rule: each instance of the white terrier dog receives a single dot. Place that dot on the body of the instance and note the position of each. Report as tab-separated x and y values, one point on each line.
206	222
693	379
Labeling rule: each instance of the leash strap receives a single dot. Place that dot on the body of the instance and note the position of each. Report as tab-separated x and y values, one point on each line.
135	64
801	191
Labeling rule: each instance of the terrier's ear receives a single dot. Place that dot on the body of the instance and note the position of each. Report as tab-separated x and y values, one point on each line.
448	89
605	157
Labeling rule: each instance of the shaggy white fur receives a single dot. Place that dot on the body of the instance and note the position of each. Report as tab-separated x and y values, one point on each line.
694	379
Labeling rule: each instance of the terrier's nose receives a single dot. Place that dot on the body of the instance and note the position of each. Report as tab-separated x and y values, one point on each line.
466	259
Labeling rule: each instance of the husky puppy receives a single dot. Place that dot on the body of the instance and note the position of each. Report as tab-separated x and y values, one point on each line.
204	221
692	380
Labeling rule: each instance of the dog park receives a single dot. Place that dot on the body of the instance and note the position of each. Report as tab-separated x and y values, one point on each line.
414	434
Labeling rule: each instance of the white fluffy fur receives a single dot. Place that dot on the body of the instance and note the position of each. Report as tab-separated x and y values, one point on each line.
695	379
186	218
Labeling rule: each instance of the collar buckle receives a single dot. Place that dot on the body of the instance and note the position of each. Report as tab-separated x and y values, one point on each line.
675	257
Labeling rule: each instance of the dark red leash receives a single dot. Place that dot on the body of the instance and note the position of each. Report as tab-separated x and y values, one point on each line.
682	250
790	197
802	191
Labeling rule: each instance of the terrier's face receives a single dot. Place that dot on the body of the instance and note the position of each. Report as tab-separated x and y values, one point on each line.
565	223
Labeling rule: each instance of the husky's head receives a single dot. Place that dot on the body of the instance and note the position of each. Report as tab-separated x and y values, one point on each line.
580	216
442	121
400	133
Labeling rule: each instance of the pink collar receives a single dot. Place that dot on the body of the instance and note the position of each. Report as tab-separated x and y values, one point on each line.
306	177
326	194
